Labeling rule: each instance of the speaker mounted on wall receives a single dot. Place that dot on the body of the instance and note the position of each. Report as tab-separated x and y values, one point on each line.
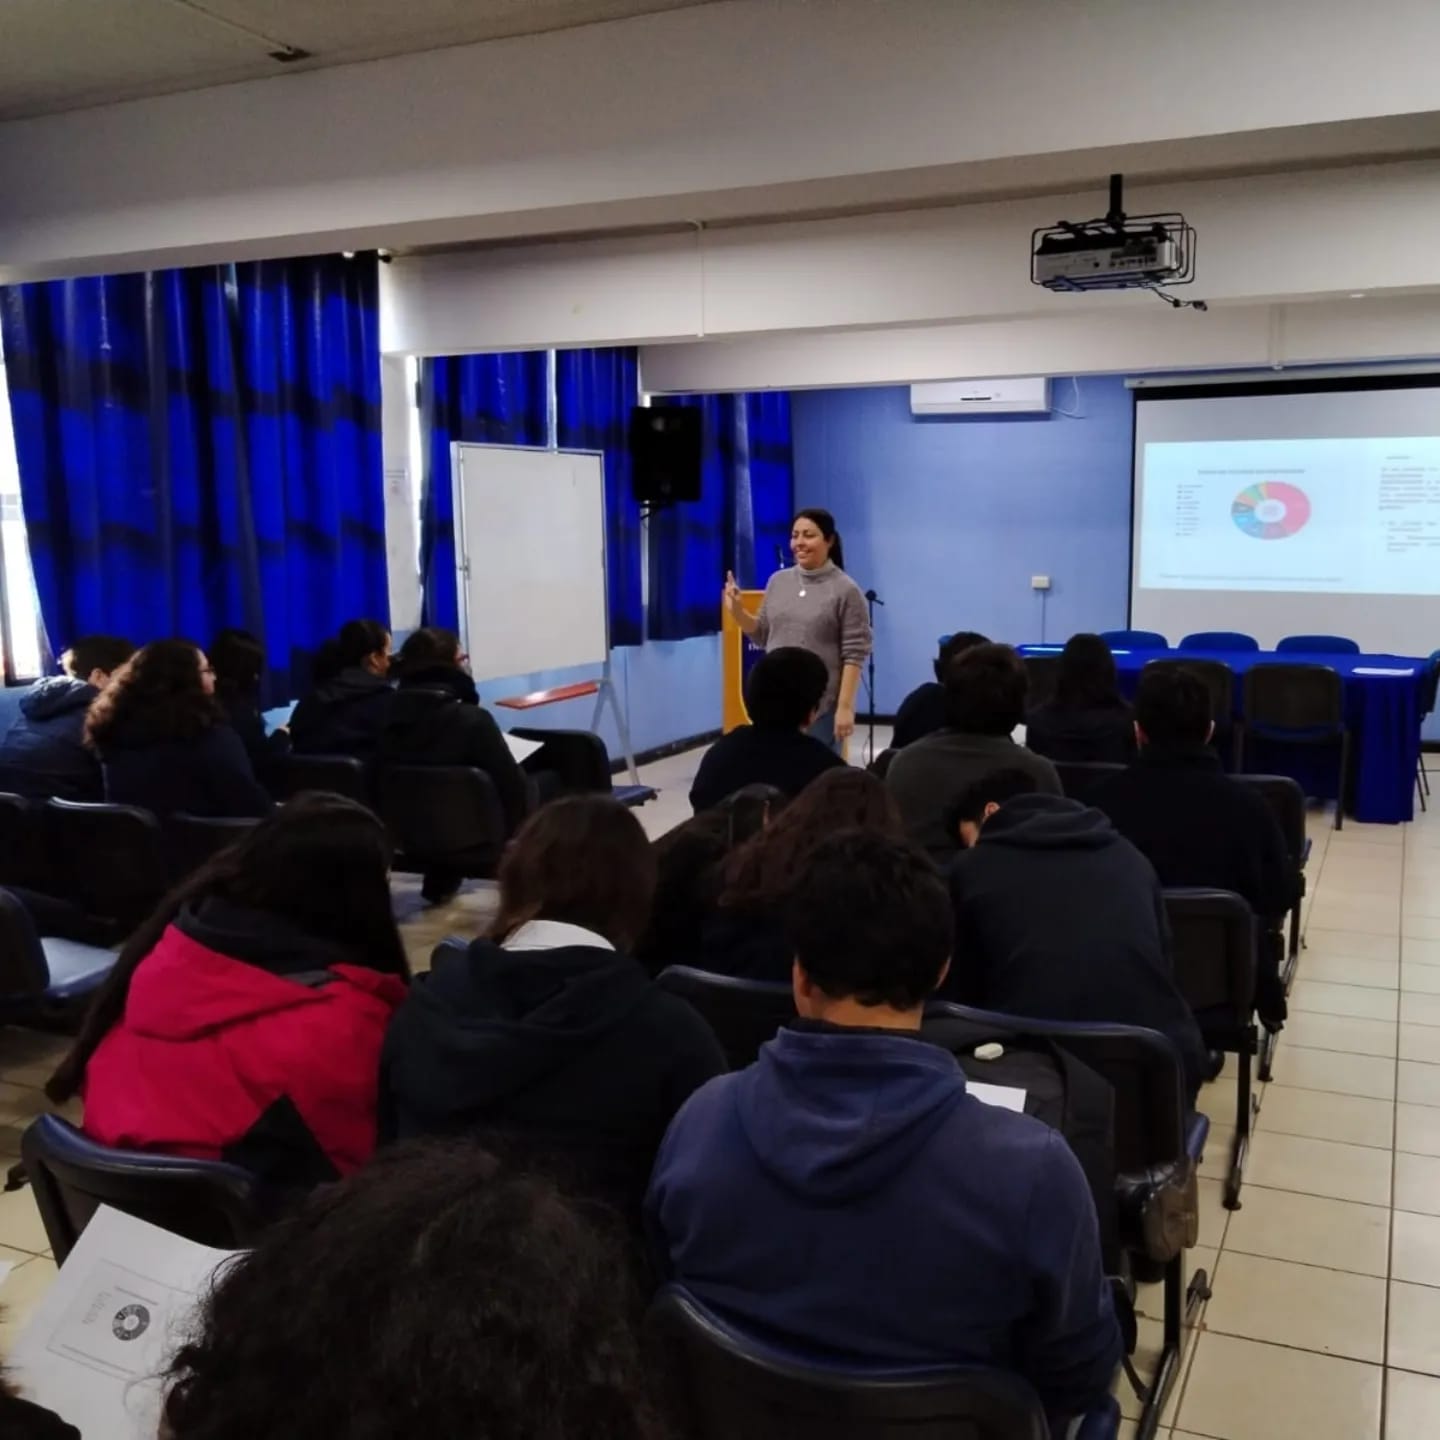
665	446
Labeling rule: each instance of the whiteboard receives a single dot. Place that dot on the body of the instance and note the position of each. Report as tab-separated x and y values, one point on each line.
530	558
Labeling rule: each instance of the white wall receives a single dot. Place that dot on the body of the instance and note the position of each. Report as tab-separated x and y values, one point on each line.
746	107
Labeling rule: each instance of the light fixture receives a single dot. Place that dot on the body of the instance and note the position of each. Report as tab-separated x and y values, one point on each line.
1357	294
348	254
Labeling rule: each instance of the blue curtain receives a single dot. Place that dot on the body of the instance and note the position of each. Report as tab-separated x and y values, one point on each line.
741	521
491	399
595	391
201	448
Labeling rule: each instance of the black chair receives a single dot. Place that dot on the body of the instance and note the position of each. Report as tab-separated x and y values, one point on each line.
1285	797
196	839
1213	936
109	859
1134	639
1079	778
24	845
1298	705
1429	694
1317	645
744	1014
442	817
1219	680
1219	640
1158	1148
291	775
43	976
581	763
1042	672
727	1386
206	1201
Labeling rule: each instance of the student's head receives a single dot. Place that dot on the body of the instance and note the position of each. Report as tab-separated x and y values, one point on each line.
360	645
584	860
983	797
761	873
750	809
1172	707
985	690
165	691
95	658
814	539
321	863
433	1294
871	925
238	659
1086	676
785	689
956	644
430	648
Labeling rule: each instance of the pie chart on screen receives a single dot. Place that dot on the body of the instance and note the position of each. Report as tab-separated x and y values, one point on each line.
1271	510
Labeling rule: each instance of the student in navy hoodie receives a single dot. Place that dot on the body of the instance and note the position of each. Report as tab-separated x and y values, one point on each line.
44	753
844	1198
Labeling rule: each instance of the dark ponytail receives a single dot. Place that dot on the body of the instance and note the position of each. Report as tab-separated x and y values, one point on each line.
824	522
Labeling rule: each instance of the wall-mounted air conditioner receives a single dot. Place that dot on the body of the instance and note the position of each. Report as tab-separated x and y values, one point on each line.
1029	396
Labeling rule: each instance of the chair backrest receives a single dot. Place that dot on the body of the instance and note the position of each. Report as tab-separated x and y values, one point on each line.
1134	639
336	774
1430	689
1286	798
1319	645
1219	640
1042	672
728	1385
1294	697
194	839
1219	680
1079	777
109	859
744	1014
24	975
203	1200
24	848
1213	937
443	813
578	757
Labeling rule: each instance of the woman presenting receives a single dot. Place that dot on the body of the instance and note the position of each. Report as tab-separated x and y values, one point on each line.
818	607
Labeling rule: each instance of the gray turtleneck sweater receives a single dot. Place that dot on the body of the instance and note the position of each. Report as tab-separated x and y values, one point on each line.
821	610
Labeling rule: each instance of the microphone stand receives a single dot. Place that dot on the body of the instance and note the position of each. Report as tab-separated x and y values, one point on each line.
872	600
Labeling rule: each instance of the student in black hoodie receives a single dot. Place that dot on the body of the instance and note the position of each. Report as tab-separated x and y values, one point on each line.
1086	721
1059	917
547	1039
347	708
238	658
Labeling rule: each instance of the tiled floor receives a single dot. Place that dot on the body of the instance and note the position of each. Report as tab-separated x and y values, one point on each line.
1325	1318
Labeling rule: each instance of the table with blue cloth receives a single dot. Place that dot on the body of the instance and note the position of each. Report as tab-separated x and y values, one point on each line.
1381	711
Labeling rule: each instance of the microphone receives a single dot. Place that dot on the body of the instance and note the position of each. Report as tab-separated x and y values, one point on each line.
873	598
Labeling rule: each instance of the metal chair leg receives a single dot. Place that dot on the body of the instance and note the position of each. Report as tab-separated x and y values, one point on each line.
1344	780
1243	1116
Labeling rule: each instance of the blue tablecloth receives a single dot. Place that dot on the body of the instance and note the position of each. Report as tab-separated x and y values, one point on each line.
1383	713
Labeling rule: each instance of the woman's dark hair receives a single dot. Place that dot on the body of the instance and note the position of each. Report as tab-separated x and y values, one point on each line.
357	640
238	660
1085	678
584	860
824	522
321	862
427	649
763	871
433	1294
155	695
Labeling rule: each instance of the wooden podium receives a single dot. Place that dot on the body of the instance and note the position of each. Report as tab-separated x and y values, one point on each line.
737	655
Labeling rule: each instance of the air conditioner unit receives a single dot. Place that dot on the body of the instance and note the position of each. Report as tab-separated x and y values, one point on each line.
1030	396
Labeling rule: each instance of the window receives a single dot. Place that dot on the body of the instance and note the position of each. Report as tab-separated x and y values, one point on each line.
20	631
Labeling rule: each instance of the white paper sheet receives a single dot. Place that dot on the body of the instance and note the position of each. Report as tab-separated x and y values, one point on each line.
1381	670
522	750
1003	1097
99	1340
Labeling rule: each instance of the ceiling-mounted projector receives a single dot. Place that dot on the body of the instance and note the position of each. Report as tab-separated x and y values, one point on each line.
1116	252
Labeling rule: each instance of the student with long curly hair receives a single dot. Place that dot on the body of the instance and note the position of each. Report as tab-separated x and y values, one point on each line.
163	740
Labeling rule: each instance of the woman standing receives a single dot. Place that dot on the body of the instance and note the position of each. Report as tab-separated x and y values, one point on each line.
817	607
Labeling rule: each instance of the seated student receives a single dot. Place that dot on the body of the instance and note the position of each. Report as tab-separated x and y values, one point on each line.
243	1021
239	661
1060	918
434	1294
1194	823
745	936
163	742
435	718
347	708
922	711
546	1038
783	697
985	699
44	753
846	1200
1086	721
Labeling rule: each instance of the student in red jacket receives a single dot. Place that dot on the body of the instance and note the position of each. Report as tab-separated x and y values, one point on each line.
243	1021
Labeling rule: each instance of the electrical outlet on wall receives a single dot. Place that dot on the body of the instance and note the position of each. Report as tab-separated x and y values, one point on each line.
1039	582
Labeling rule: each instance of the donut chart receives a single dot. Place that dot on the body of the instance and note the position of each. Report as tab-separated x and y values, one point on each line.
1271	510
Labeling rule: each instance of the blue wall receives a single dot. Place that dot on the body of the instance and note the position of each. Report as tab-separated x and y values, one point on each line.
949	518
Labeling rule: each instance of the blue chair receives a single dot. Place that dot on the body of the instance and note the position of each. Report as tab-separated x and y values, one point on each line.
1293	704
744	1014
43	975
1220	640
1134	640
109	859
1429	693
207	1201
1319	645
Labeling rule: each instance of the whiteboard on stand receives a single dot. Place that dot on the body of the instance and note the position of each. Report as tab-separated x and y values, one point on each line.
530	558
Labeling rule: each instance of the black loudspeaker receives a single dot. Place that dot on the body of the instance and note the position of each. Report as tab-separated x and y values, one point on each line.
665	454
